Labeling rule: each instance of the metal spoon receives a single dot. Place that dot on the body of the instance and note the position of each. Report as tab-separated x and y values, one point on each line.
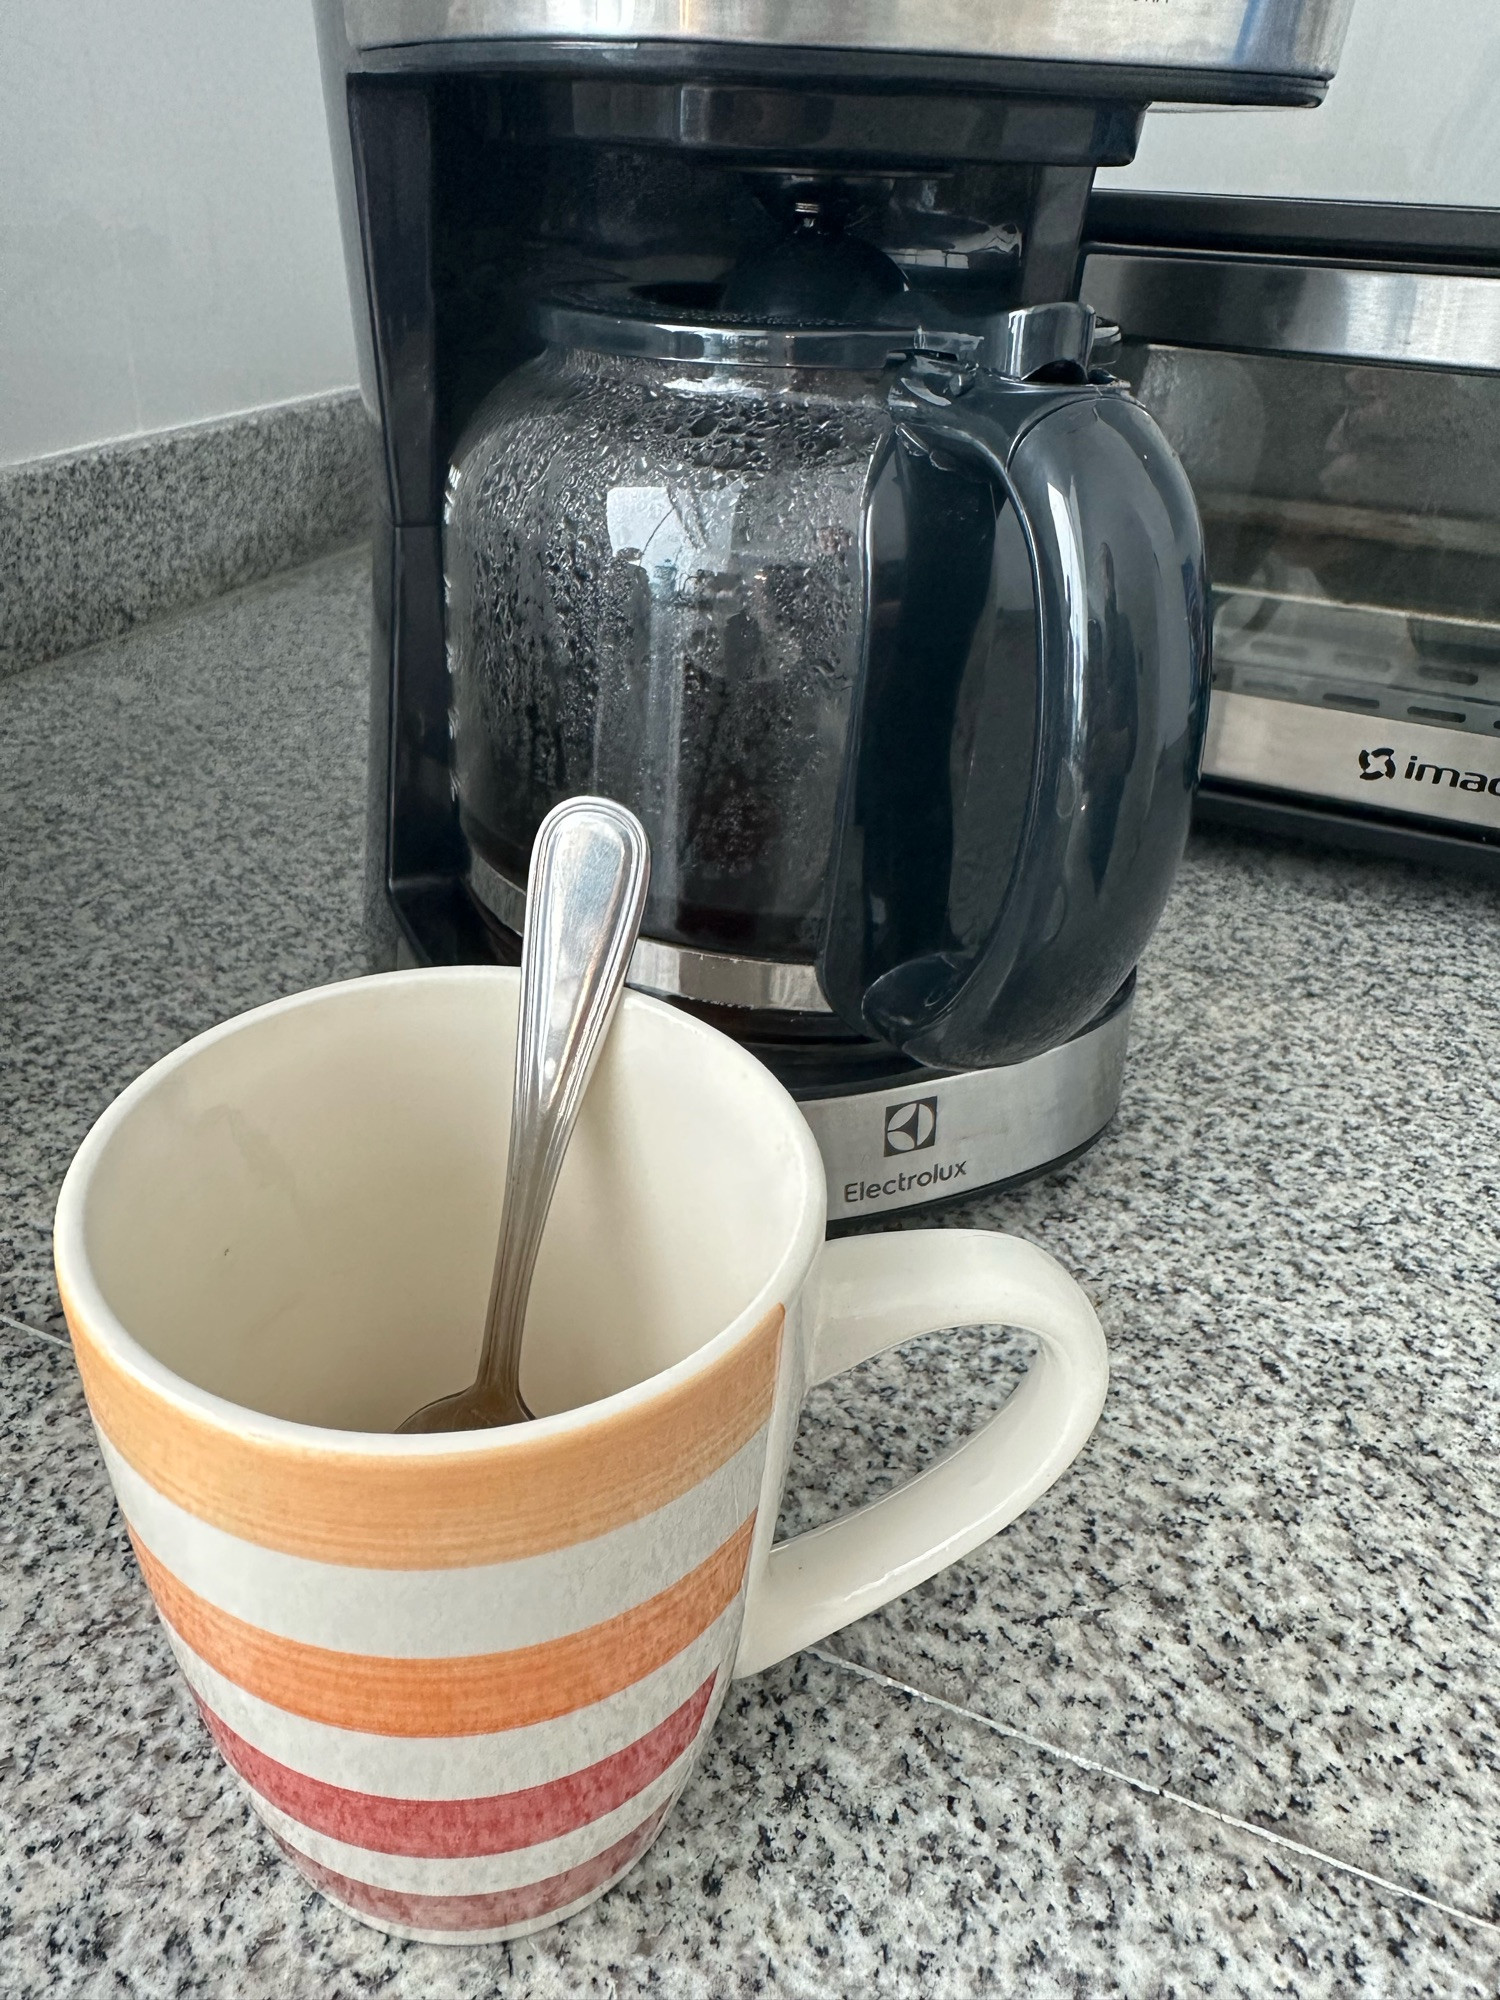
589	870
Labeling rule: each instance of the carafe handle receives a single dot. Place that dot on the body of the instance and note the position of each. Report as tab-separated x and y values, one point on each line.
1017	790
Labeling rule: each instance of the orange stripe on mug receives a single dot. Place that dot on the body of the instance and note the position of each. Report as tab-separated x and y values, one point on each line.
465	1694
444	1510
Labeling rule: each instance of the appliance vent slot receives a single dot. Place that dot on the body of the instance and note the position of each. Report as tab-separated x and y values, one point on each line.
1450	676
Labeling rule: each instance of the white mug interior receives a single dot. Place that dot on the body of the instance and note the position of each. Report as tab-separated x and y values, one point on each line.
298	1211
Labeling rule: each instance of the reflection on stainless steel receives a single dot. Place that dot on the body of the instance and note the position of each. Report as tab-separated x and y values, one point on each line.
1411	769
718	979
1020	343
1016	343
989	1124
1431	319
713	978
1363	659
628	333
1341	481
1300	38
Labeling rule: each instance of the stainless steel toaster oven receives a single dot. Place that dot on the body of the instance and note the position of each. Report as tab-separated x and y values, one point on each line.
1330	376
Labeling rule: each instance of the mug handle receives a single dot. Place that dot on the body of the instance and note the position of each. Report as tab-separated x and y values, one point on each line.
875	1292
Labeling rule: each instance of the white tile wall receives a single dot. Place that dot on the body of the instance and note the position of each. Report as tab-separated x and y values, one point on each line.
1413	115
169	248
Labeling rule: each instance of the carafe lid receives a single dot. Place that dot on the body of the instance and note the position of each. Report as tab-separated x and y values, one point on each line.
621	323
1020	343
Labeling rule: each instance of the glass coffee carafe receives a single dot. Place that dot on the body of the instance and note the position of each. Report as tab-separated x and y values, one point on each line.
894	639
655	594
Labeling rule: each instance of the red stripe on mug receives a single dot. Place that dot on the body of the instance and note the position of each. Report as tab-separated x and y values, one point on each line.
459	1829
491	1912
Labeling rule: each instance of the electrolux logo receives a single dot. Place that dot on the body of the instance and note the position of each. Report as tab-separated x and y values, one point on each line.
1374	765
911	1127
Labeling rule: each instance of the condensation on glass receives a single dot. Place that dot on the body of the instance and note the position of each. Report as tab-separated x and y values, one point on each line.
655	592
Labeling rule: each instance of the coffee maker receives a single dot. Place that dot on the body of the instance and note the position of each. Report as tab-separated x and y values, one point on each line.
746	454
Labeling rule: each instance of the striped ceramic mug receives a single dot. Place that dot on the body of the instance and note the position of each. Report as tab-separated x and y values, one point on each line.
463	1678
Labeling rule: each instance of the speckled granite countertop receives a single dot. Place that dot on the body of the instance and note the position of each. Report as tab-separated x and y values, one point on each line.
1217	1717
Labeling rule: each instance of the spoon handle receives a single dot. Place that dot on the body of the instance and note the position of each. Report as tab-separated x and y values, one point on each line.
590	866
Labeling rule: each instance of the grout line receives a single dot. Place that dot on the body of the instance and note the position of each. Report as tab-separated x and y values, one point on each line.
1281	1840
20	1326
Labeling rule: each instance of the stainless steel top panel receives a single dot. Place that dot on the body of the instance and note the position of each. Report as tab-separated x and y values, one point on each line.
1294	38
1428	319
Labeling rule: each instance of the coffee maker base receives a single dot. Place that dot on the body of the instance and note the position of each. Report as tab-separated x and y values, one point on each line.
936	1139
901	1140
